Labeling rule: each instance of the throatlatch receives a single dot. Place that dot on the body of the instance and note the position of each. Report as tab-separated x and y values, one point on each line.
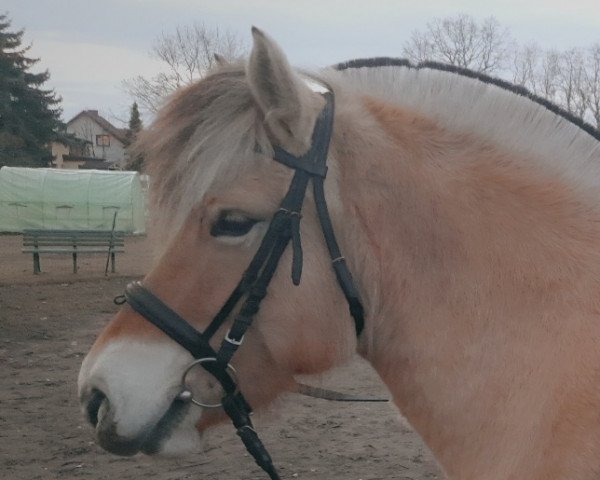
283	229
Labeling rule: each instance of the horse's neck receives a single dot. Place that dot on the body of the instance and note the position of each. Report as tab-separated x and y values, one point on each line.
478	265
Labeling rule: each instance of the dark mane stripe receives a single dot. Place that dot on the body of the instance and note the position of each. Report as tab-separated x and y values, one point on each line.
517	89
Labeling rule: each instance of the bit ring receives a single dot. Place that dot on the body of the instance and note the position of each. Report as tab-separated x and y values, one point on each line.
186	394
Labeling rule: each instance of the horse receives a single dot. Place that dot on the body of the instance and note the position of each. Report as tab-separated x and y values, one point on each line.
468	216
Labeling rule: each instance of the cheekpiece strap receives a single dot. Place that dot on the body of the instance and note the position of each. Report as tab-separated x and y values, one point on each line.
314	164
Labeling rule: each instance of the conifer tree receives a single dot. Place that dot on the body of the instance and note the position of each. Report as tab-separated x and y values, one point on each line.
136	159
29	113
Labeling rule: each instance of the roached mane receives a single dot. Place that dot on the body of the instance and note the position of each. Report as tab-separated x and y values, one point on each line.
494	110
208	131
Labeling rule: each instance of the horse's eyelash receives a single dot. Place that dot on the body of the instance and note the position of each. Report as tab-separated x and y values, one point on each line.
232	224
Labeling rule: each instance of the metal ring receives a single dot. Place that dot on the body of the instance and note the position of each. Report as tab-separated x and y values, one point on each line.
119	299
189	397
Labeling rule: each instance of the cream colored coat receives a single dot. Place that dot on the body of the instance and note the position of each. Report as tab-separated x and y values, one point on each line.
470	219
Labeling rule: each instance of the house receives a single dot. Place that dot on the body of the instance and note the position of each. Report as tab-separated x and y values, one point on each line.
98	144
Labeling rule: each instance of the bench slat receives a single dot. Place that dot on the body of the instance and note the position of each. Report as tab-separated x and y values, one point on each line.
72	240
71	250
93	235
71	243
72	232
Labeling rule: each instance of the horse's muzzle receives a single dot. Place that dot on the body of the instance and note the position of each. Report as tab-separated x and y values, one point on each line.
149	440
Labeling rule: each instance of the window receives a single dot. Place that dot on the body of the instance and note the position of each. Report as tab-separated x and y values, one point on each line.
103	140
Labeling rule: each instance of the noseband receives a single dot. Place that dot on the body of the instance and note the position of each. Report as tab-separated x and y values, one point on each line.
252	288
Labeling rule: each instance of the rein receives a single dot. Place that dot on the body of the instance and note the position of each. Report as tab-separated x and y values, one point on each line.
283	229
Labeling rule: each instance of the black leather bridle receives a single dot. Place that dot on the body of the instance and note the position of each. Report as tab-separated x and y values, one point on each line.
252	288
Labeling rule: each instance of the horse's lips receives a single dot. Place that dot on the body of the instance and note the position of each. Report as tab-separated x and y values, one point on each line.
150	439
164	427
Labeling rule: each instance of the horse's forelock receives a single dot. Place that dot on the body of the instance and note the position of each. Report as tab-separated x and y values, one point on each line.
206	133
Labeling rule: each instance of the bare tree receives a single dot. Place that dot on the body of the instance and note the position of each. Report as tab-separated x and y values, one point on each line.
592	82
547	78
525	65
463	42
85	131
569	78
186	55
571	87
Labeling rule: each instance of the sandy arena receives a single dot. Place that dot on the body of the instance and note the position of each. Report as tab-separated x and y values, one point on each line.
49	321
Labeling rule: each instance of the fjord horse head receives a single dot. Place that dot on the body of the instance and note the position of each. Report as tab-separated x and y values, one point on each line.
469	217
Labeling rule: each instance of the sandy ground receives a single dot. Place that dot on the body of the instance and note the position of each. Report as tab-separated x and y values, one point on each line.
49	321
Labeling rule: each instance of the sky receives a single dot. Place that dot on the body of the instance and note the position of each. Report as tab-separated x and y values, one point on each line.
90	47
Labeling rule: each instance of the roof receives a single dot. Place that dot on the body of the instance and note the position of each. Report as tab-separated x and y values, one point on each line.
70	140
119	133
90	162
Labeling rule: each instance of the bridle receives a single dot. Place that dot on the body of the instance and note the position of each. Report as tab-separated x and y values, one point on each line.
283	229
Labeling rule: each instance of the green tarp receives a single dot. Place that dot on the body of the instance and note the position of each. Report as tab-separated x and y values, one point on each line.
48	198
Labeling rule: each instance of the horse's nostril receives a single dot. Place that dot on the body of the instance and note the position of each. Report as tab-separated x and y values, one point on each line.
94	403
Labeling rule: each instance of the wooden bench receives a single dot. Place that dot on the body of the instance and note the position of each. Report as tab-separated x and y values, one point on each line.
73	242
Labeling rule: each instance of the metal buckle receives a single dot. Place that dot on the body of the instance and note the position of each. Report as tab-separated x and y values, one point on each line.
186	394
233	341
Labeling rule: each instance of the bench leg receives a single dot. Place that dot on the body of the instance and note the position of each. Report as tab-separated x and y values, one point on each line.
36	263
112	262
74	262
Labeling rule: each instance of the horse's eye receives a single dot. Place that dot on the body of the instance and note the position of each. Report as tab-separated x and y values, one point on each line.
232	224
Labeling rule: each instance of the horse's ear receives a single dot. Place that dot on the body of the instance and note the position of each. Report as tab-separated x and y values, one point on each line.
221	60
290	108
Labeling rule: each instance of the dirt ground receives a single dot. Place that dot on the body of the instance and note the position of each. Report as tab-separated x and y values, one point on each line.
49	321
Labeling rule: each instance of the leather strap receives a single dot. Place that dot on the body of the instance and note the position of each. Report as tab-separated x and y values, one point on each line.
283	229
314	162
148	305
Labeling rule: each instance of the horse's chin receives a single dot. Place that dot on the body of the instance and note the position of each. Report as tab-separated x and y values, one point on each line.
180	443
172	441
